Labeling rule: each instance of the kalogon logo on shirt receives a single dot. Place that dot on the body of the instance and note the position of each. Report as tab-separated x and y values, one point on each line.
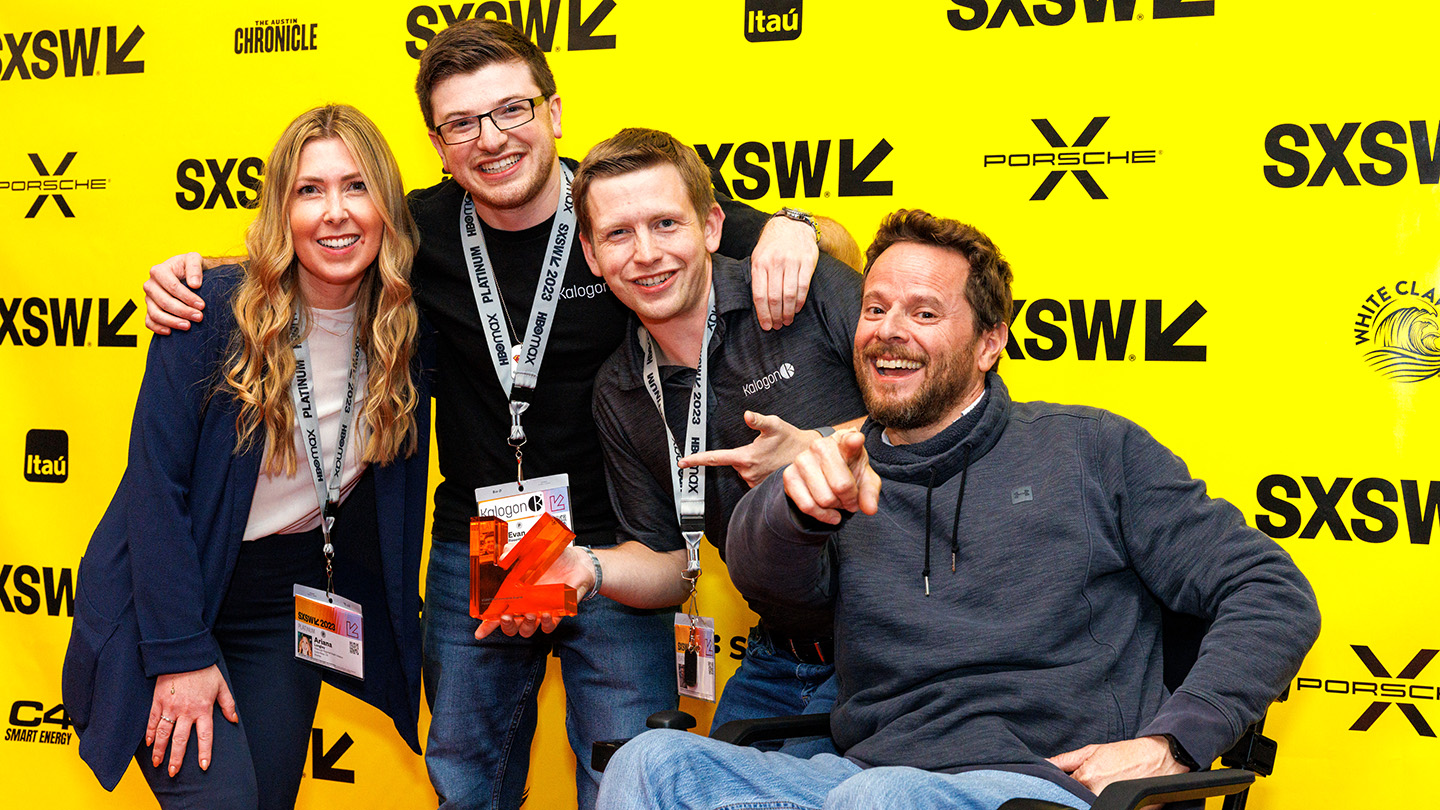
784	372
594	290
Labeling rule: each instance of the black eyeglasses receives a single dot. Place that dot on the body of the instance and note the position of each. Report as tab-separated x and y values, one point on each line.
506	116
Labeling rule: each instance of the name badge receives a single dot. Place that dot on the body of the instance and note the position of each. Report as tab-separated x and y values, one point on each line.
520	505
695	656
329	632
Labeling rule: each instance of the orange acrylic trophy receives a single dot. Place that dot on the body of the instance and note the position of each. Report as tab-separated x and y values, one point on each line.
507	585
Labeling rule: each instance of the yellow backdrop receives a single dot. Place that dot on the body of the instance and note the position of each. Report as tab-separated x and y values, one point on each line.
1212	208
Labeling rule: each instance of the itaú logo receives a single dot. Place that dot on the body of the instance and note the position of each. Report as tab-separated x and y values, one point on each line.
1399	689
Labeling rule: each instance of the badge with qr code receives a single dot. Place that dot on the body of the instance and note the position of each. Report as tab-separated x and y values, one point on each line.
329	631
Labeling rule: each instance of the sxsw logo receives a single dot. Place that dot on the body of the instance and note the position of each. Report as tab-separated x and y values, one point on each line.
25	589
51	184
1059	12
1070	161
773	20
47	456
323	762
801	167
539	19
67	323
193	176
1100	327
1400	688
42	54
1377	522
1379	141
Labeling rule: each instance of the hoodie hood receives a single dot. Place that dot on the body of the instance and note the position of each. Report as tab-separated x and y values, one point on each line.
948	452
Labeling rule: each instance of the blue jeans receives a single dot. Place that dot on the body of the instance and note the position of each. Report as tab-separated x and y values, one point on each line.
618	664
673	770
772	683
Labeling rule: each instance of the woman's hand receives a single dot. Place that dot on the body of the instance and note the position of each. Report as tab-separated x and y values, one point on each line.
186	700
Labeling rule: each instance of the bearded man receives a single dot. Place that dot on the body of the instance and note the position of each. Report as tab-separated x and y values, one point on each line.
998	602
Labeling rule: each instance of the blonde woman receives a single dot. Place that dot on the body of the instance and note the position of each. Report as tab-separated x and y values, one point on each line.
184	650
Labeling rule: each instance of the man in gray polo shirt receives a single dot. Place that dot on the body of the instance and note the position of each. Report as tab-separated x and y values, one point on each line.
649	225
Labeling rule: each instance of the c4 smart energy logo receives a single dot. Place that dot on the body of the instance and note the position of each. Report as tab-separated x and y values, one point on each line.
773	20
30	721
1075	158
1397	328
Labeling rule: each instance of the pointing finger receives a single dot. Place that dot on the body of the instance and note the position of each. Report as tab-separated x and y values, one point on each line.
713	458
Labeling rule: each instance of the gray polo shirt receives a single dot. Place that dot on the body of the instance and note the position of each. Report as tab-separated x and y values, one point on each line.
802	373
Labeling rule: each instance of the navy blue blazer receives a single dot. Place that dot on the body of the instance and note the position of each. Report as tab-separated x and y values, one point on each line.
158	566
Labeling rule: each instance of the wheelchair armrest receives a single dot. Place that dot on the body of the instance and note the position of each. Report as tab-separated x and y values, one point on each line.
1131	794
602	750
671	718
749	732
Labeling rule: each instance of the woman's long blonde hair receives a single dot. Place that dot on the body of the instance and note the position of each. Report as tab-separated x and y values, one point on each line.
260	361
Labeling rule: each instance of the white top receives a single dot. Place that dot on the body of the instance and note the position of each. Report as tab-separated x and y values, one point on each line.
287	504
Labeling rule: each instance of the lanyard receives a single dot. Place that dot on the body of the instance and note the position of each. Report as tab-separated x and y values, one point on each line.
327	488
688	485
519	381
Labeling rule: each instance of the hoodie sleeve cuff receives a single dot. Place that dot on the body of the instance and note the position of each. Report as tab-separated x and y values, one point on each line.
184	654
1201	729
819	530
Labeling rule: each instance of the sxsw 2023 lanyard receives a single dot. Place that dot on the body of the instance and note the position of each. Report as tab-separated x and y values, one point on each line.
329	626
519	373
688	489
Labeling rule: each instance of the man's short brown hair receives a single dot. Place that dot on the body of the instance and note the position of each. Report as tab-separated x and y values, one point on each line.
987	288
469	45
631	150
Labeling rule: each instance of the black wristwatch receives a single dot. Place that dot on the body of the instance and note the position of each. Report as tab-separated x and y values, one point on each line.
1180	755
800	216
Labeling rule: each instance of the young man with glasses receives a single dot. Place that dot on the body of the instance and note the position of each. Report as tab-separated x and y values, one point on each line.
615	660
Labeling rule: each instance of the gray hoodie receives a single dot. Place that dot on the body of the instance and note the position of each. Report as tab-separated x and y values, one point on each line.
1074	526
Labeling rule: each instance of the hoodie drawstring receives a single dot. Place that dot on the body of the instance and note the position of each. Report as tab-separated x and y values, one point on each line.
955	528
959	501
925	572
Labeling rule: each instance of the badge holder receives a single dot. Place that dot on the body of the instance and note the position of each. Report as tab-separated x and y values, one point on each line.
329	631
694	650
522	503
695	656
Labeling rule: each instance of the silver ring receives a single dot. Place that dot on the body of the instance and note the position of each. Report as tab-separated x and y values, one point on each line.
167	720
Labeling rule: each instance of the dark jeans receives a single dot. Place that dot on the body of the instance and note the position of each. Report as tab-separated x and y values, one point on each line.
618	664
257	764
